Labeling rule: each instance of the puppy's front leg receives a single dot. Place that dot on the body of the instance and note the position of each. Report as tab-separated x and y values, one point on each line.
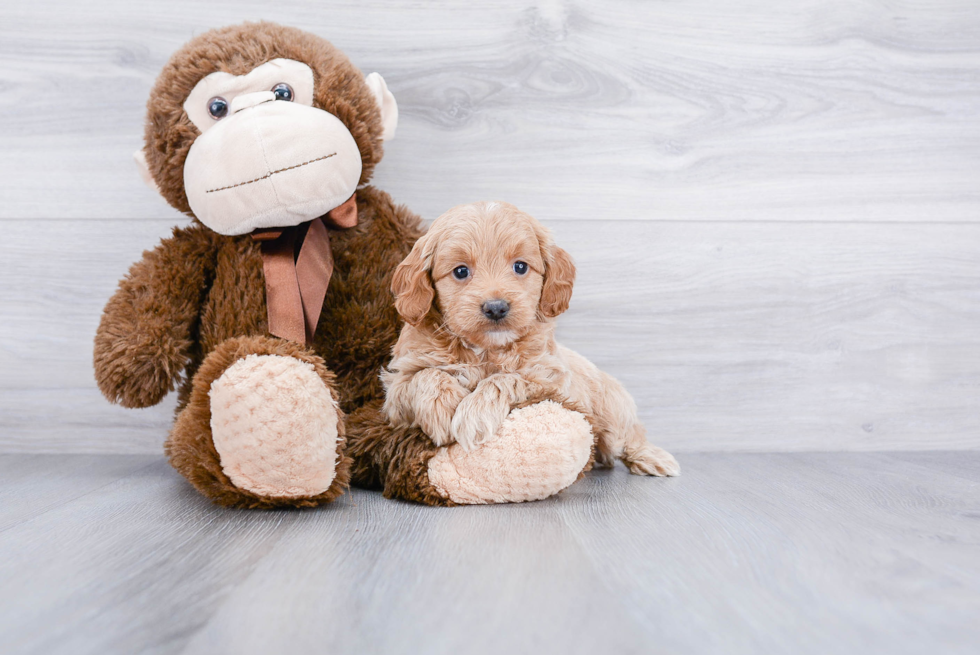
480	414
426	399
435	396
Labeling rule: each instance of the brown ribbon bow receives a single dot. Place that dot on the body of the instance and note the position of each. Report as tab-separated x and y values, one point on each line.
295	285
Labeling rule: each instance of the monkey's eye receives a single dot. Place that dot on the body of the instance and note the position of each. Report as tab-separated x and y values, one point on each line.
283	91
461	272
217	108
520	268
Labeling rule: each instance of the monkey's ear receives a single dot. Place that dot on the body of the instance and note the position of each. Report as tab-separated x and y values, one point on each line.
140	158
386	103
412	283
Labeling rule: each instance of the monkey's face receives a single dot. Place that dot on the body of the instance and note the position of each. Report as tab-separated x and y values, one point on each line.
261	126
266	156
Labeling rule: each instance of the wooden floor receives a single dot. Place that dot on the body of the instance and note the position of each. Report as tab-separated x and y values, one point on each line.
745	553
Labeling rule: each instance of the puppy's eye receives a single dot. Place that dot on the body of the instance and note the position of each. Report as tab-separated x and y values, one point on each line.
217	108
520	268
461	272
283	91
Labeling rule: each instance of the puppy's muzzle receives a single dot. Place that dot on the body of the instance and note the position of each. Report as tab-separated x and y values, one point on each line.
495	310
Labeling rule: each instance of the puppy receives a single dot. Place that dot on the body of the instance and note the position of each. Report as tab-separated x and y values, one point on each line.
479	294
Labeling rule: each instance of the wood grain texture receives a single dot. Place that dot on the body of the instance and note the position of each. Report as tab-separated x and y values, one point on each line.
810	110
774	208
731	336
817	337
34	484
745	553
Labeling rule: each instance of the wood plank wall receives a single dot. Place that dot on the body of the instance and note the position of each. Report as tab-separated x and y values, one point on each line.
775	207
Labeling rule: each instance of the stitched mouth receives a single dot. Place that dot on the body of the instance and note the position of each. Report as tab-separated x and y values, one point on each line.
268	175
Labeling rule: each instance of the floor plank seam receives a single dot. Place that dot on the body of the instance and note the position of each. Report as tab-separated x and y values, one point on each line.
76	498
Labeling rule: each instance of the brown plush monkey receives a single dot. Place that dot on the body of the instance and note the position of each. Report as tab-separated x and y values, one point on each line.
272	311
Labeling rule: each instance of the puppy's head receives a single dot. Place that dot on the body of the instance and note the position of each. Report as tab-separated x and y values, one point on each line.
488	271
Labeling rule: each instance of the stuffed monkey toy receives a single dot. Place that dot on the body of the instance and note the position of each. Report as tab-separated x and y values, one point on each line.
272	312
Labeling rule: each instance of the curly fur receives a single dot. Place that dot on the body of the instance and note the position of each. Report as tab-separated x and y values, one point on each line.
457	373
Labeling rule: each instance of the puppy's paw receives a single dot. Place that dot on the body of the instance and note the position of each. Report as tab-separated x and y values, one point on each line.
437	418
438	430
476	422
650	460
603	459
427	400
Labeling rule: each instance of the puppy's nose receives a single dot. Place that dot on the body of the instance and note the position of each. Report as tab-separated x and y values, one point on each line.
495	309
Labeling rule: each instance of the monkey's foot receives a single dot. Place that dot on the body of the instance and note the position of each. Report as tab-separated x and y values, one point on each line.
538	451
274	426
262	427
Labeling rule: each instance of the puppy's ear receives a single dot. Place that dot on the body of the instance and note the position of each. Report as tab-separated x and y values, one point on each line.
412	283
559	277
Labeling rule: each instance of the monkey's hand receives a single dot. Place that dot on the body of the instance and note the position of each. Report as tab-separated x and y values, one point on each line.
146	333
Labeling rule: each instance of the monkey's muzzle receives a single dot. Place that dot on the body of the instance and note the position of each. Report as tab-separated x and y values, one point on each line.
274	164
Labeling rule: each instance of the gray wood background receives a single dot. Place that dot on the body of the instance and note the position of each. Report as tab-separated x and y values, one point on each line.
775	206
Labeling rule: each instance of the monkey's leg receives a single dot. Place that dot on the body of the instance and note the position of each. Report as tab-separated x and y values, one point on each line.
262	428
539	450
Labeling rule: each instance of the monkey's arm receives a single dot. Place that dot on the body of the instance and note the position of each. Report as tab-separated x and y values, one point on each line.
147	330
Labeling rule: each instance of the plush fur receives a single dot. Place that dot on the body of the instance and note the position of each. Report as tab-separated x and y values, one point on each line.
538	450
390	459
457	372
190	446
196	303
247	413
197	289
397	460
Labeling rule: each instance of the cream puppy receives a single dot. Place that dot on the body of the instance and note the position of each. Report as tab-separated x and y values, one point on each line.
479	294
